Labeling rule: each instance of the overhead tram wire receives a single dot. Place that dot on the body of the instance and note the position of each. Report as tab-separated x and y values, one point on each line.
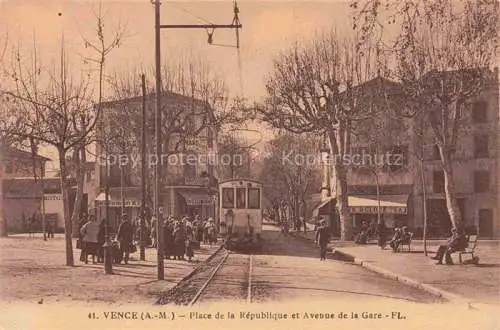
201	19
236	21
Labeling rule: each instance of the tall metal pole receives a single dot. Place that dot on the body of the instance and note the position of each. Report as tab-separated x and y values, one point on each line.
122	188
157	200
161	270
143	171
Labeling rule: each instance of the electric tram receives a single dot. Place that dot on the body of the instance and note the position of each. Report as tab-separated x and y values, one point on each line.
240	202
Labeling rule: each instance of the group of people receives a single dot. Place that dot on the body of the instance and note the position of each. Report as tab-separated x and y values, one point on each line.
457	242
298	224
92	239
181	237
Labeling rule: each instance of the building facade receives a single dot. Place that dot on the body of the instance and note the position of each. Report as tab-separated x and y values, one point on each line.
20	194
401	193
188	159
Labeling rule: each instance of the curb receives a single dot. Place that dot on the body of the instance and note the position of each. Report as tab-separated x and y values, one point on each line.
451	297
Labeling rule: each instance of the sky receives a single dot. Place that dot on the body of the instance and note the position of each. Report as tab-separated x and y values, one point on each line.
269	27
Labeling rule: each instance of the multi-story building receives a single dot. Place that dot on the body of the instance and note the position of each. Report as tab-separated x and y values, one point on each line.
188	158
400	193
20	195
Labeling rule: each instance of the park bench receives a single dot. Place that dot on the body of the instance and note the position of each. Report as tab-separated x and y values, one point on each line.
470	249
406	243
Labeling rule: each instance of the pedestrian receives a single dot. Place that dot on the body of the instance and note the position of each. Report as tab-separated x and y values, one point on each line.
101	239
82	221
154	221
382	234
189	241
211	231
51	225
90	243
179	236
304	223
322	238
125	237
168	239
457	242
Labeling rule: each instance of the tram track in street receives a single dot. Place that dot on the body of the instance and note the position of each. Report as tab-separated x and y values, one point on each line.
227	276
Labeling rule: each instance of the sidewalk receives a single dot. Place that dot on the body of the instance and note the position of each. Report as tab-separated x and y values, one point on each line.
476	283
34	271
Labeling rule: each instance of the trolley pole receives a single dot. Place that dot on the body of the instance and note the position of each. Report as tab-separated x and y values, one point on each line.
158	165
157	199
142	247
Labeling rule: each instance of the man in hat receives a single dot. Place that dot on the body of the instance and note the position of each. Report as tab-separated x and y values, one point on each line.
125	237
322	238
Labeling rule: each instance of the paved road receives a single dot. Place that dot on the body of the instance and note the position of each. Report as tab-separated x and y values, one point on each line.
288	268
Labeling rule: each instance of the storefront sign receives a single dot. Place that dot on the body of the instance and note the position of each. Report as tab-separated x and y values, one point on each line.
374	209
128	203
200	202
196	181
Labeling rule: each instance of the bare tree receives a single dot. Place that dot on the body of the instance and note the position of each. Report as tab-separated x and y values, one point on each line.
56	109
48	101
291	171
444	53
311	89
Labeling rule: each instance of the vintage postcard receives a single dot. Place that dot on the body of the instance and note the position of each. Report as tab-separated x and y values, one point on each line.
197	164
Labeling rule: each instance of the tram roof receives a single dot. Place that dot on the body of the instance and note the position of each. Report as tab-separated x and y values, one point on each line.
240	179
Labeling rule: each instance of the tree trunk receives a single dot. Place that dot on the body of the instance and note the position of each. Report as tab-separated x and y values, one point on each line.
424	203
379	217
80	159
65	199
3	225
342	202
449	189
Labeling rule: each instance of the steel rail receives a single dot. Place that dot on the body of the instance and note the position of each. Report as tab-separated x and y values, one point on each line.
249	289
198	294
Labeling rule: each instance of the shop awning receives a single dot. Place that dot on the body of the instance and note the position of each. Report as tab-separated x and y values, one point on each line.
324	207
197	198
115	200
368	204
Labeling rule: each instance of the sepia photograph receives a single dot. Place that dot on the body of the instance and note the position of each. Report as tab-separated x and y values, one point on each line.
243	164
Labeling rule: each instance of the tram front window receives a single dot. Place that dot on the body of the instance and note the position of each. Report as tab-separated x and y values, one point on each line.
240	198
254	198
227	198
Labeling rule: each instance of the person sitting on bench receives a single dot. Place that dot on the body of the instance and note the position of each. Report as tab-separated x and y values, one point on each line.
402	238
457	242
395	238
